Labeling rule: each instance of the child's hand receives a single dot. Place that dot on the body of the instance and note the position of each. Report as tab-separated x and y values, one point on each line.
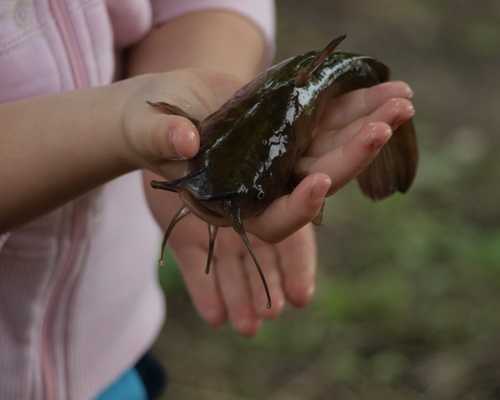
232	291
158	141
347	140
353	129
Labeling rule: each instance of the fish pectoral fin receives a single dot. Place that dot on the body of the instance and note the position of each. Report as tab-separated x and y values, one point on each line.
165	185
394	168
189	181
170	109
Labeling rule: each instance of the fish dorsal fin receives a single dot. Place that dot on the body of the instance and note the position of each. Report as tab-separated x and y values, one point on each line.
305	74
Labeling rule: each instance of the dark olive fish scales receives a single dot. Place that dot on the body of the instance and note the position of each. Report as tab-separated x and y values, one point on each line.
250	146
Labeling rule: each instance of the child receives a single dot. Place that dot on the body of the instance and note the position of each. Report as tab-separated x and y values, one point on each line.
79	299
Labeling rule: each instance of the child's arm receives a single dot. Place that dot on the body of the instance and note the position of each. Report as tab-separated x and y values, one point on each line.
218	40
55	148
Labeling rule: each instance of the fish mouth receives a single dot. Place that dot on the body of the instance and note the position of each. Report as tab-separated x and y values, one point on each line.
206	214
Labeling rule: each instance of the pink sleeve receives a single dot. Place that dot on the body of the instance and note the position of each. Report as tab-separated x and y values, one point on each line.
260	12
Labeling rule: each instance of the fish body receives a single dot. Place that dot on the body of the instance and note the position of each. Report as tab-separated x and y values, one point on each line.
249	148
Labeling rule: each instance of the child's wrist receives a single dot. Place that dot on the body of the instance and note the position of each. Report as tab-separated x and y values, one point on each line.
116	110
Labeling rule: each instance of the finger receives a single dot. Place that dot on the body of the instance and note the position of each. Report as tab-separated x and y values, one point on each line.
168	137
393	112
347	161
342	110
289	213
268	261
298	263
236	294
202	288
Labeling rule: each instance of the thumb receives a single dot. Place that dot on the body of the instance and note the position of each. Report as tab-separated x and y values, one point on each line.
169	137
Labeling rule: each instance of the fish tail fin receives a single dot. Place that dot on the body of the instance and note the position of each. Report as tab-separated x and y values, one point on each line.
394	168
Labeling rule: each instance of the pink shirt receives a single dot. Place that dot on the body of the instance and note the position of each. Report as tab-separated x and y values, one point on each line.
79	298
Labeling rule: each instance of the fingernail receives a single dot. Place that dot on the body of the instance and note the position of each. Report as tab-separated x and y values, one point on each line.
320	187
411	109
213	317
183	139
274	311
409	112
310	292
377	137
278	307
177	137
247	326
409	92
304	296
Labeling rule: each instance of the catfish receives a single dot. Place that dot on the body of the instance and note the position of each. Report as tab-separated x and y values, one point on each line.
250	146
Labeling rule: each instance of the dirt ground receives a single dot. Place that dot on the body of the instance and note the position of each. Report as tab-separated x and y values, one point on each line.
409	296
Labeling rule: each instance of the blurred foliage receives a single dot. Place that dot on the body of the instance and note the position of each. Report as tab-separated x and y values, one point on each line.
409	290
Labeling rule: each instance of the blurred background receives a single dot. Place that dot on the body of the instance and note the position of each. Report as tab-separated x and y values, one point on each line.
408	301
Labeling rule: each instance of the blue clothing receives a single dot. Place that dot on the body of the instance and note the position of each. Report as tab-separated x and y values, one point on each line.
128	386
